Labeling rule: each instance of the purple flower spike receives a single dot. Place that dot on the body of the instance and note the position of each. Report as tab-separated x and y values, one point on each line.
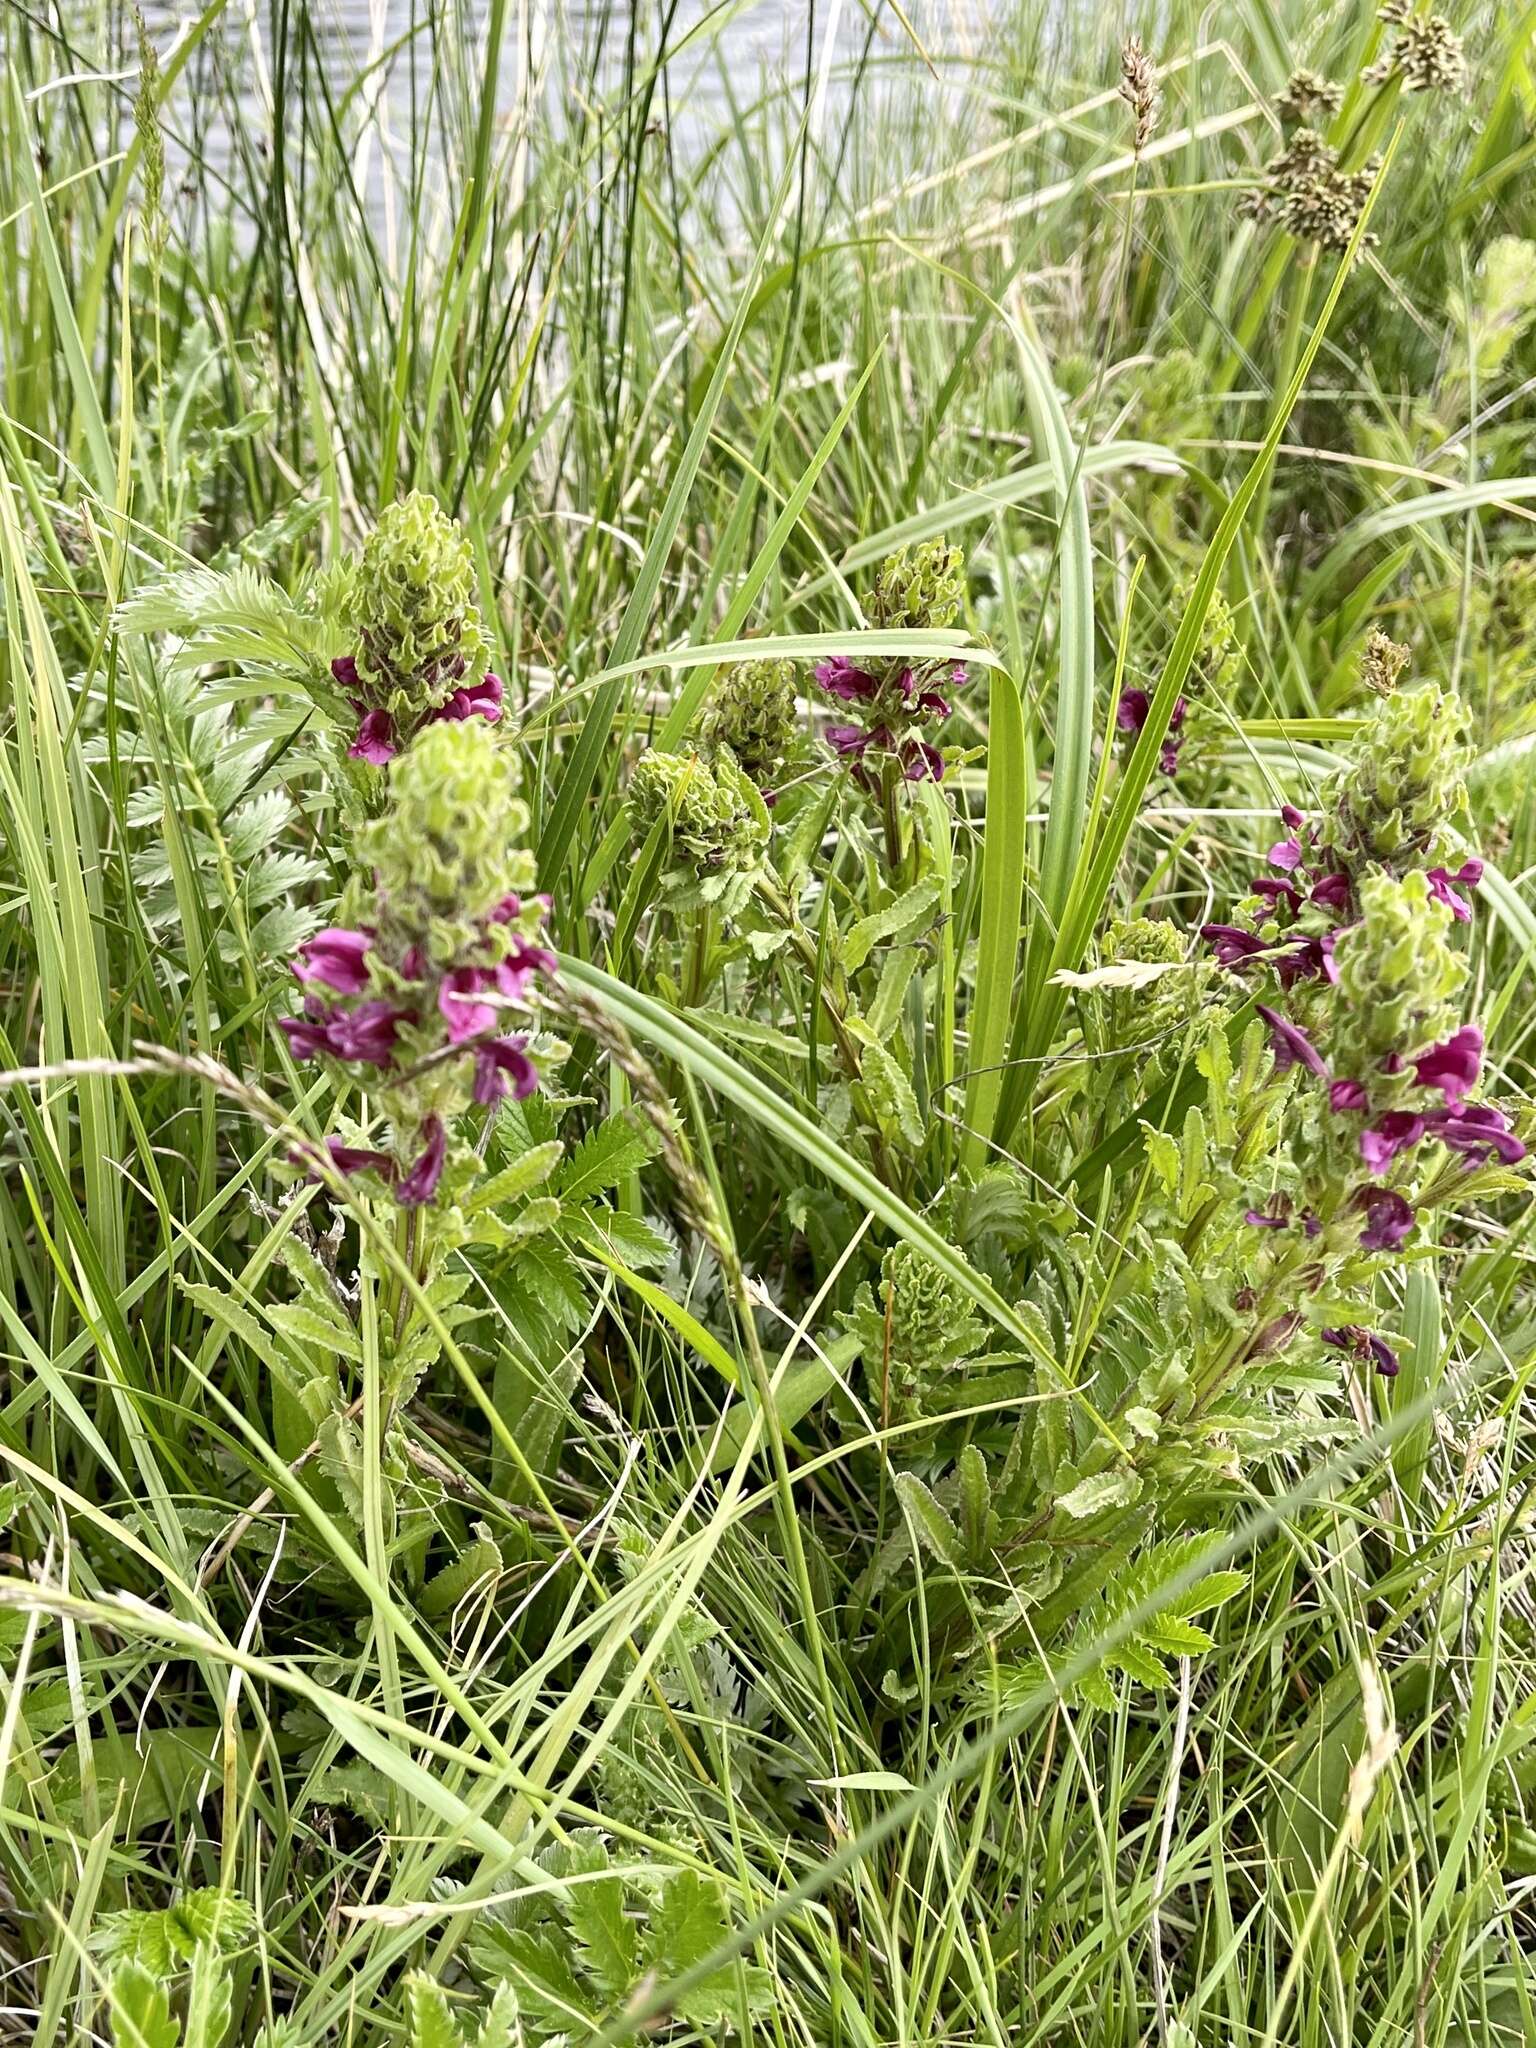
375	740
420	1184
843	678
1345	1095
500	1066
1290	1044
1388	1218
335	957
1396	1131
1131	711
1470	873
1453	1067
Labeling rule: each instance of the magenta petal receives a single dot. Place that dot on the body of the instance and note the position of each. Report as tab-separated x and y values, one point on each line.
375	740
922	763
1388	1218
1345	1095
1470	873
502	1065
1131	711
359	1159
458	1000
1332	892
344	669
1453	1067
843	678
1394	1133
1285	854
1478	1127
335	957
1232	944
1291	817
367	1033
1259	1221
420	1184
1290	1044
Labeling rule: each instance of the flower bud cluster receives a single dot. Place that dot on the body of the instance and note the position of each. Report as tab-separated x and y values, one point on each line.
754	711
421	648
1425	54
412	994
717	827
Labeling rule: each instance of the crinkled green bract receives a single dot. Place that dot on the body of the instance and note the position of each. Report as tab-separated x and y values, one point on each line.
449	852
719	827
411	605
754	712
916	1326
1405	783
1150	939
1397	974
925	588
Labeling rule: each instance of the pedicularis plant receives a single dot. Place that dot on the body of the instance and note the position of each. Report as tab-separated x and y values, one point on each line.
1297	1085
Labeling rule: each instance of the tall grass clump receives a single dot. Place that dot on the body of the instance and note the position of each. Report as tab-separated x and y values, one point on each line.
766	1026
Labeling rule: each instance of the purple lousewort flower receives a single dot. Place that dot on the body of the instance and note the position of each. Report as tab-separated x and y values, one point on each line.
1290	1044
502	1065
1332	892
1388	1218
335	958
1470	873
931	702
359	1159
853	740
1131	711
1259	1221
1453	1067
1277	890
420	1184
1346	1095
344	669
308	1035
1285	854
1290	816
1395	1132
841	677
375	742
367	1033
1475	1127
1234	946
458	998
517	970
1366	1346
480	700
921	762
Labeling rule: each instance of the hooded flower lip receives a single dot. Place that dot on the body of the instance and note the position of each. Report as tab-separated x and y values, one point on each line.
1388	1218
375	742
366	1034
1395	1132
335	957
420	1184
1290	1044
1476	1127
359	1159
1452	1067
1469	874
1234	946
1347	1095
1366	1346
1332	892
480	700
842	677
502	1066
